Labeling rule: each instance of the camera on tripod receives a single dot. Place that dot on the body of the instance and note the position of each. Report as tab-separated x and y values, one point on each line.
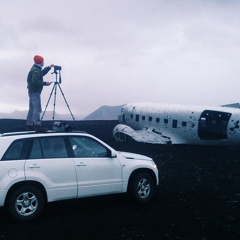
57	68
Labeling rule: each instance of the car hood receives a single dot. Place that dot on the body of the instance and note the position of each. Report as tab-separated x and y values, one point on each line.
135	156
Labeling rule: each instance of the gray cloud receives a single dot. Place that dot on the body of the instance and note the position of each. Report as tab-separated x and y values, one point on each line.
114	52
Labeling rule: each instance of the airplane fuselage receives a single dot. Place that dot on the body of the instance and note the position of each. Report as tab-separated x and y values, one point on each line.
178	124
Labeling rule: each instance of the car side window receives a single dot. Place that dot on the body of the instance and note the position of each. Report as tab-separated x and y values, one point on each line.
85	147
14	151
36	151
49	147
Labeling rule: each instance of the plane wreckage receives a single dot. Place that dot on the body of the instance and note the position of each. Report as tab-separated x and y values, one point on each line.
179	124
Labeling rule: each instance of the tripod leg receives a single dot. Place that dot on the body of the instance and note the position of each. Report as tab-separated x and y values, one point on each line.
66	102
48	101
54	103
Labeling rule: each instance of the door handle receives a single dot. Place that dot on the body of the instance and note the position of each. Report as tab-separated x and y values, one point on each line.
81	164
34	166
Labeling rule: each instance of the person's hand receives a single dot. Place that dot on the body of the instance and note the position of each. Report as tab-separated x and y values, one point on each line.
52	65
48	83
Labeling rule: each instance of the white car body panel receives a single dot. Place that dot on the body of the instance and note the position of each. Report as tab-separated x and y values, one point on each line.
11	172
67	178
98	176
129	160
58	176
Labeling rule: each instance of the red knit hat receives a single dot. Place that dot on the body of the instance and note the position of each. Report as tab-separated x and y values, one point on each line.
38	59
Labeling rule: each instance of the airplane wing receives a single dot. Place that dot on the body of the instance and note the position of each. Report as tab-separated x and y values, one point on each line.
123	133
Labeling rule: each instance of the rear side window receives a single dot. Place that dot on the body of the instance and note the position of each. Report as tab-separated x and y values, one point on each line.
17	150
36	151
50	147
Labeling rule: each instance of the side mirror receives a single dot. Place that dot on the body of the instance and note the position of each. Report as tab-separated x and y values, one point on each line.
113	154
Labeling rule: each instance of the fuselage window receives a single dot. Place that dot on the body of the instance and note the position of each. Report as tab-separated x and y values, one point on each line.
131	115
165	120
143	118
150	119
123	118
137	118
157	120
174	123
184	124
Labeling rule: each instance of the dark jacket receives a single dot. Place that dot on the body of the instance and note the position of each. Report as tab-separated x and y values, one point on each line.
35	78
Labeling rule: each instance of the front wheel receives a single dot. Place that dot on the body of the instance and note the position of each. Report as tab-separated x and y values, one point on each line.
141	188
25	203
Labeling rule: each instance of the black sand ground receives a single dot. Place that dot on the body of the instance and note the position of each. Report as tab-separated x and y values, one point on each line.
198	198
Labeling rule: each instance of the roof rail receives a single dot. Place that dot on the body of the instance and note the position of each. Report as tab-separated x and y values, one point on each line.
16	133
33	132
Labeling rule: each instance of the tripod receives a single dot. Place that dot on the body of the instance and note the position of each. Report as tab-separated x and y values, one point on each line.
54	89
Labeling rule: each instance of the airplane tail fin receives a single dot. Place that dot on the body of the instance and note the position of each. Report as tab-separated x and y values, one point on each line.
232	105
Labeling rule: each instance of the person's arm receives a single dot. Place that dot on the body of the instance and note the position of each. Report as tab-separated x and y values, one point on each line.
46	70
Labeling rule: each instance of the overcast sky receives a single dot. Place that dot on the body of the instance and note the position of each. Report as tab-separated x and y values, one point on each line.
119	51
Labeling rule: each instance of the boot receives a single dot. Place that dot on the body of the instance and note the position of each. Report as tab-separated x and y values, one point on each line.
30	128
40	129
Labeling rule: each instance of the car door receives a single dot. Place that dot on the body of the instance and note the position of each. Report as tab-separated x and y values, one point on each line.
49	164
97	172
12	164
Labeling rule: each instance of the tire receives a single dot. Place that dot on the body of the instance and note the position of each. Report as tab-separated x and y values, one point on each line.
25	203
141	188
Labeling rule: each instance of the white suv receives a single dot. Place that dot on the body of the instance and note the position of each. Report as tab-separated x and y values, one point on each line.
36	168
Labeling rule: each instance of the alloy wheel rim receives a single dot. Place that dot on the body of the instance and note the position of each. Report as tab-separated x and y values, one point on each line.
26	204
143	188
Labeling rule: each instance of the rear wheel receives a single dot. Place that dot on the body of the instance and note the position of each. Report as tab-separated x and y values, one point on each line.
25	203
141	188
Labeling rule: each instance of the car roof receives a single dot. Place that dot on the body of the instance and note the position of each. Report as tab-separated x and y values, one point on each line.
33	133
7	138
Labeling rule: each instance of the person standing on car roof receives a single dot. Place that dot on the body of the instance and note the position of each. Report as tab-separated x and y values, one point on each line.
35	85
